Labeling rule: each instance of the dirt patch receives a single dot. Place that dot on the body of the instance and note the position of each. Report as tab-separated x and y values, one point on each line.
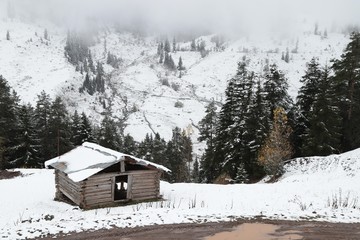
4	174
282	229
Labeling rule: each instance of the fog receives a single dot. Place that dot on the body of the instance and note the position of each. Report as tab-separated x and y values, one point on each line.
183	15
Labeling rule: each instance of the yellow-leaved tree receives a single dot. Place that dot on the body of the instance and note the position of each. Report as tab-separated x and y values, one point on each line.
277	146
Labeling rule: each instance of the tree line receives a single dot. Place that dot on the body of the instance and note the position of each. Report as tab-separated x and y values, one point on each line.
31	135
259	126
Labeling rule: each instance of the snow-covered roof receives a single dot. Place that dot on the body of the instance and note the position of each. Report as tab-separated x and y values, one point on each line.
89	159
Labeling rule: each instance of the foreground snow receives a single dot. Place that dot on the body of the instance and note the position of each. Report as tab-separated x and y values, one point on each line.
321	189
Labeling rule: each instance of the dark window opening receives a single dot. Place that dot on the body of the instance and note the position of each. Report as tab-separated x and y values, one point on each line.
120	191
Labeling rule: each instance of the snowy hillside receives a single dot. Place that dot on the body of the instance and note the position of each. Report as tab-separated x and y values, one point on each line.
32	64
316	188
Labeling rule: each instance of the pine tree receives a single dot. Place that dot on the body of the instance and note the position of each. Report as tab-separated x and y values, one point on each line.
277	147
8	35
76	129
207	132
158	150
195	175
59	129
347	87
8	122
86	131
42	116
109	136
305	100
229	141
275	88
322	137
27	150
129	145
180	67
176	157
167	47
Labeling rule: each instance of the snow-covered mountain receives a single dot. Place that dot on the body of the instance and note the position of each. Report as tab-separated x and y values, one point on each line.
32	64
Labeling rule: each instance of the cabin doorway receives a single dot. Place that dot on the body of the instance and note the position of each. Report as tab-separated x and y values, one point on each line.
121	187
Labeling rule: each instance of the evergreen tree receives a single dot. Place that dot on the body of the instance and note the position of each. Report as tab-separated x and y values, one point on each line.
27	150
322	137
8	122
229	141
207	132
129	145
59	129
86	131
275	88
145	148
176	157
167	47
109	136
195	175
158	150
347	87
8	35
42	116
76	129
305	101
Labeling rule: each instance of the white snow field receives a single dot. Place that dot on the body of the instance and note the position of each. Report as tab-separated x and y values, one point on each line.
315	189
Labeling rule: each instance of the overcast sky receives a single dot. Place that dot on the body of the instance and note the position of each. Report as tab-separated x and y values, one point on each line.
215	14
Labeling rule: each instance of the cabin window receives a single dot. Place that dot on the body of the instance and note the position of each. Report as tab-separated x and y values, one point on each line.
120	191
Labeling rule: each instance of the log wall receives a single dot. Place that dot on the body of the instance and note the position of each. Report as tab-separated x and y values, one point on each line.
98	190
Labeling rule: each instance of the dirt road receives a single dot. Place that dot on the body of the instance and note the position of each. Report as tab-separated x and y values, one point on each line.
276	230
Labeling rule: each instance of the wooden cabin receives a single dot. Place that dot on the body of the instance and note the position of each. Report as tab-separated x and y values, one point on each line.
92	176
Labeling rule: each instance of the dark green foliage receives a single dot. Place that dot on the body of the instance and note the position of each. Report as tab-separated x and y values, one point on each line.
8	122
42	115
275	91
129	145
109	136
97	84
195	174
59	129
26	153
322	137
347	88
207	132
178	155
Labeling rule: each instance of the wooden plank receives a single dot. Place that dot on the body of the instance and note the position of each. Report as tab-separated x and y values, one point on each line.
102	191
130	186
96	182
122	166
96	188
98	201
94	198
140	187
71	196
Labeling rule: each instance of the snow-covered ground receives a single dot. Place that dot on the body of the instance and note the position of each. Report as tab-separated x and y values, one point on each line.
318	189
